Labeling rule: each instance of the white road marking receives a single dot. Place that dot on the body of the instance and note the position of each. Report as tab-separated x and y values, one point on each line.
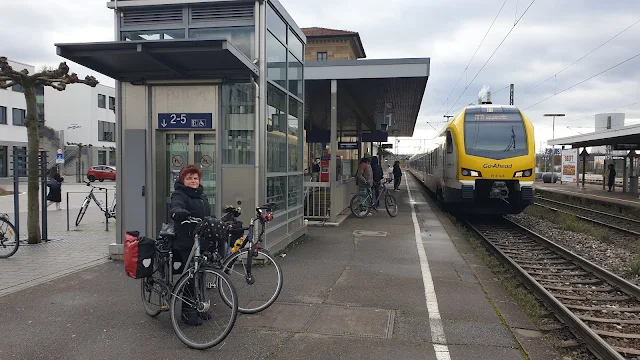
437	330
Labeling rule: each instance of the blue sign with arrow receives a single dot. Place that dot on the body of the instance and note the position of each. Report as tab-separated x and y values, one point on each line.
200	121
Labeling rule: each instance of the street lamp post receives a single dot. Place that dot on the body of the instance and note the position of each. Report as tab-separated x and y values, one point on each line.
553	153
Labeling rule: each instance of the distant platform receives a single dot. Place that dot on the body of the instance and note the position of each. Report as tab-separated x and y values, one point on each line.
594	192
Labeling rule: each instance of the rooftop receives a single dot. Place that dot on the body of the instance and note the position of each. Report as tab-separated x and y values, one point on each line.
319	32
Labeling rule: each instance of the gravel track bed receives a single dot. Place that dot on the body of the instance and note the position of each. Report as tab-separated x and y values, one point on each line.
612	256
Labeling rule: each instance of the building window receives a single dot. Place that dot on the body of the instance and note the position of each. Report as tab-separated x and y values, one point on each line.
4	161
295	190
102	101
112	158
276	61
295	77
17	88
112	103
322	56
18	117
102	157
277	192
276	25
238	123
295	46
241	37
294	134
40	102
276	130
3	115
106	131
152	35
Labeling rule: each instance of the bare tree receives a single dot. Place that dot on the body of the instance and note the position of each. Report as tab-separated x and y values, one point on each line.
58	79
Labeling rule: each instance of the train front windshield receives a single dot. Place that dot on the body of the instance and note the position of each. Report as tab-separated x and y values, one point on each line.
495	135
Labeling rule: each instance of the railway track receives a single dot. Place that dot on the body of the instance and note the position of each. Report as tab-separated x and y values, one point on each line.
617	222
599	307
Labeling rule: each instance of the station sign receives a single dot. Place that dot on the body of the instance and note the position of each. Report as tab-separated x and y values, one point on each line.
386	146
195	121
348	145
626	146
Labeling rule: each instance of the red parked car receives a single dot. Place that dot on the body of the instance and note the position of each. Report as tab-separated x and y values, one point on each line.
101	173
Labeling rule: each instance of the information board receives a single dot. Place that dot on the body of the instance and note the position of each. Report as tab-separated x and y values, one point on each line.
200	121
569	165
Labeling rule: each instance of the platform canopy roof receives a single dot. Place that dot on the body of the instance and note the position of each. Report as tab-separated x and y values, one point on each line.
366	87
161	59
623	137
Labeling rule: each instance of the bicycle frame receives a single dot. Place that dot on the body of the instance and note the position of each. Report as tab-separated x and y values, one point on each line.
110	211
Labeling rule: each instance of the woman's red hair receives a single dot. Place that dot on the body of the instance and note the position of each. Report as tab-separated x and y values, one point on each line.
189	169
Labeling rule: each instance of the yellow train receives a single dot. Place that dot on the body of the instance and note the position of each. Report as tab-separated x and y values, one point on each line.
483	163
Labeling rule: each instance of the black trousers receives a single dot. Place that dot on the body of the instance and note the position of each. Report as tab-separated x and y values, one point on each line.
396	182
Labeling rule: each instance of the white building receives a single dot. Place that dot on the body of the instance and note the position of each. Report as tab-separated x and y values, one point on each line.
604	122
84	115
12	117
80	114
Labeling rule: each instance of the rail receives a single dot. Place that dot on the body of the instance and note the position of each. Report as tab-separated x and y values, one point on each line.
572	278
317	200
617	222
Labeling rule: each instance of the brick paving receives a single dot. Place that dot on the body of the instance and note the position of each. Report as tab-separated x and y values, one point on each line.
68	251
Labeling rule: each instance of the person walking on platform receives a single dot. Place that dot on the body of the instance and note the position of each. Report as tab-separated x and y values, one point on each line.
611	177
55	188
378	174
397	175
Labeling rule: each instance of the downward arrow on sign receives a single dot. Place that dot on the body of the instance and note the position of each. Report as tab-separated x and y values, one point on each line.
164	123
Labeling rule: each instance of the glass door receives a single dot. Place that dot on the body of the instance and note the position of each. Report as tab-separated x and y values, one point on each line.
177	157
204	151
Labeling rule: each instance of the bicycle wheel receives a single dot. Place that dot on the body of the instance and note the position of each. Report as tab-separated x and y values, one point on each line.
257	293
152	291
391	205
8	240
201	318
83	209
360	208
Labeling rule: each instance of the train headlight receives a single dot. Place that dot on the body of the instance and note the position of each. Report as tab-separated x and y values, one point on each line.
523	173
472	173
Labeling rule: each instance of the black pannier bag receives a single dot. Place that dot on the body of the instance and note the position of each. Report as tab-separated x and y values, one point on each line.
139	254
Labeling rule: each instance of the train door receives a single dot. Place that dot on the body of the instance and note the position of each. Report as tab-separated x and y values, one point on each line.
449	160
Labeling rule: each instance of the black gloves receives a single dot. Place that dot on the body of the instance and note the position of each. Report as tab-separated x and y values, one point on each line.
180	215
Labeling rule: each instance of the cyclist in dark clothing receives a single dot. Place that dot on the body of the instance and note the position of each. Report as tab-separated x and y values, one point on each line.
188	199
397	176
378	174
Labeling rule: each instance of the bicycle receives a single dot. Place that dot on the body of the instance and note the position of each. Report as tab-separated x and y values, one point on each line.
109	212
362	207
174	297
247	256
8	239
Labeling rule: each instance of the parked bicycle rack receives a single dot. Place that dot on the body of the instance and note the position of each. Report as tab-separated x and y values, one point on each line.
106	205
21	169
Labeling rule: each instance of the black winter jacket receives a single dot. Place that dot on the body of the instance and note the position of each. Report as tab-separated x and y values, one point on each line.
397	172
55	191
185	202
377	169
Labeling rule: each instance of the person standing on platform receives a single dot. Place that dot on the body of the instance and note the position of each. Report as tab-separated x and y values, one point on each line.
397	175
611	177
378	174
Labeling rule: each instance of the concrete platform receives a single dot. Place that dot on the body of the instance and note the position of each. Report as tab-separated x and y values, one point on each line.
369	289
593	192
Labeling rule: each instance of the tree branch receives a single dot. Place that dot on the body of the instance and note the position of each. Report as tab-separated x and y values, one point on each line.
6	71
6	85
59	78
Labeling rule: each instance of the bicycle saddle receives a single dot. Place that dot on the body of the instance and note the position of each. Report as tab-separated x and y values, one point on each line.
167	230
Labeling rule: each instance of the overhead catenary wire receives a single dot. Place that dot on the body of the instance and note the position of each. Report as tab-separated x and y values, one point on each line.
490	57
472	57
583	81
575	62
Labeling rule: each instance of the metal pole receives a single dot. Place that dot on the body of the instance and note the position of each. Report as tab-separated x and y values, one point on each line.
16	189
584	167
553	153
67	211
43	172
511	95
106	207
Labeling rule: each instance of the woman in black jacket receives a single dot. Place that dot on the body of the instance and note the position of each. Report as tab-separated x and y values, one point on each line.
188	199
55	188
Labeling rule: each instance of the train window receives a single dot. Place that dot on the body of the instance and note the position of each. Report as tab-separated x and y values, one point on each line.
498	135
449	143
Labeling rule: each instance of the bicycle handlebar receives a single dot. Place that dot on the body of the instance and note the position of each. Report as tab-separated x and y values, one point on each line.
97	187
191	220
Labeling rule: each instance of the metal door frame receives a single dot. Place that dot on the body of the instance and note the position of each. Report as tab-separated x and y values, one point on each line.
161	162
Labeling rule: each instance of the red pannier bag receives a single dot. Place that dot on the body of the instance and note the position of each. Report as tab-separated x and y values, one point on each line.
138	255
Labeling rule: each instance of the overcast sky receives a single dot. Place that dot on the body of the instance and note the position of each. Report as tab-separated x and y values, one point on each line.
550	36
